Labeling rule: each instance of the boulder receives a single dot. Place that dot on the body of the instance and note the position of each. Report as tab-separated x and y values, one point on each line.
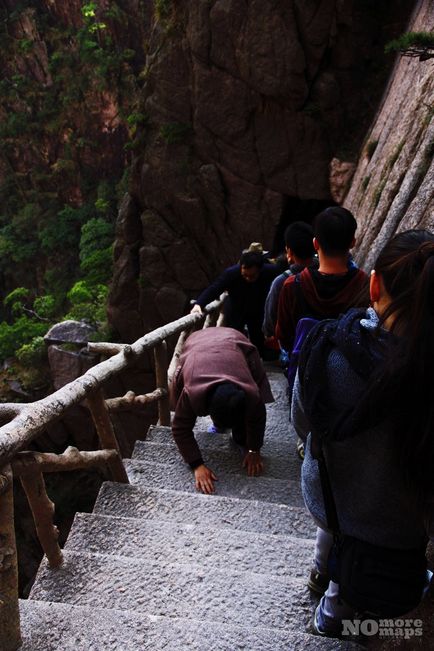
71	332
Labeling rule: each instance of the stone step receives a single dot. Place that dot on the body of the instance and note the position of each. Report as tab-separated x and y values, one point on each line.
283	448
51	626
170	590
207	547
227	459
203	510
180	477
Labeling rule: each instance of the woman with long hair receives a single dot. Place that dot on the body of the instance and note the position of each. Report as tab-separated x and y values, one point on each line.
365	390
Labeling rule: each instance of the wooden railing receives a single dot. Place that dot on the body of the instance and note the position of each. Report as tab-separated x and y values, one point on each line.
29	420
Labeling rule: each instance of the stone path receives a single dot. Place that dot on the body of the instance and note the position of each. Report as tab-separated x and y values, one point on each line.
158	566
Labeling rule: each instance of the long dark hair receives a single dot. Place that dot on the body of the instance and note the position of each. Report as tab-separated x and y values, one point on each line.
403	392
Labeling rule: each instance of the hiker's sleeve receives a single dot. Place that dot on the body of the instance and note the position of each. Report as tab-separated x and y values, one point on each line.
255	425
298	416
285	326
215	289
183	422
270	309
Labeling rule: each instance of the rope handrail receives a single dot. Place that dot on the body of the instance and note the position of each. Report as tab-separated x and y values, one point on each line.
31	418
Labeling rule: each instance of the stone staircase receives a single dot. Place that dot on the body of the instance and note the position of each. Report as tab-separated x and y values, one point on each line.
158	566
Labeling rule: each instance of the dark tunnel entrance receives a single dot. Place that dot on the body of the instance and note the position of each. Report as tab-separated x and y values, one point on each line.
295	209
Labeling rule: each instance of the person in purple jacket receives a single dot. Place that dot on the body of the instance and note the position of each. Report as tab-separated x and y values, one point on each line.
221	374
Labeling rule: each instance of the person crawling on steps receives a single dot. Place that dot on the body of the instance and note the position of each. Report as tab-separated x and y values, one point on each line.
220	374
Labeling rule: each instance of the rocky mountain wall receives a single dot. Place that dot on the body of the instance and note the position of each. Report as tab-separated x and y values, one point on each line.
393	187
244	106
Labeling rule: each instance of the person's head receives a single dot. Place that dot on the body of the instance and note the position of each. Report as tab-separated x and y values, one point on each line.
402	292
334	229
251	263
226	404
402	281
299	242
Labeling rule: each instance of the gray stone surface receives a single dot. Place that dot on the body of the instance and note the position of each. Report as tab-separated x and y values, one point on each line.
165	589
178	476
227	458
203	510
79	628
276	447
202	546
69	331
160	566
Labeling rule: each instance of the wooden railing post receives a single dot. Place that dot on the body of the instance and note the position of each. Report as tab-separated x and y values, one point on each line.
161	364
42	509
10	636
106	434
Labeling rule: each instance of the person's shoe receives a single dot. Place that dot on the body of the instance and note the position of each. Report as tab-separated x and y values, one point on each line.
318	582
213	429
300	449
322	630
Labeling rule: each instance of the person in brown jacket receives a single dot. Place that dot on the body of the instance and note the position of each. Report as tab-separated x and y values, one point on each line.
221	374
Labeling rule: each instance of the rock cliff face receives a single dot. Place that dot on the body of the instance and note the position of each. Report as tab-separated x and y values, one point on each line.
393	187
245	104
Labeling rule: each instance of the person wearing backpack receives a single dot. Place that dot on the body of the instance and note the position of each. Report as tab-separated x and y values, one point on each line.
300	254
333	287
363	401
320	292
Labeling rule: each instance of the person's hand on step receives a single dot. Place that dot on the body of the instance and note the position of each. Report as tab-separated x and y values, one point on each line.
205	479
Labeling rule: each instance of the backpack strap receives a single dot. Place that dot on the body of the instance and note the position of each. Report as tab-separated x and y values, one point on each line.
326	487
302	307
312	371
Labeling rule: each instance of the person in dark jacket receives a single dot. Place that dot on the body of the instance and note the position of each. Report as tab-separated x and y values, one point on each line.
330	289
375	385
300	254
247	284
220	373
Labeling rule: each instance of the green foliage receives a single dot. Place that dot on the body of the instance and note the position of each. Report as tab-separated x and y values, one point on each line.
17	238
61	231
48	135
96	256
135	120
365	182
97	267
88	10
429	115
88	302
174	132
426	161
413	44
378	192
370	148
33	353
162	8
46	306
96	234
394	157
14	336
106	203
18	295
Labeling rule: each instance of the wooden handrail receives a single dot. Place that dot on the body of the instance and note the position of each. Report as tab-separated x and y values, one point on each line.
28	420
33	417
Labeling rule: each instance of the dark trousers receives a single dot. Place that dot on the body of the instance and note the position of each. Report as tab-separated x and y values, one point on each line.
239	321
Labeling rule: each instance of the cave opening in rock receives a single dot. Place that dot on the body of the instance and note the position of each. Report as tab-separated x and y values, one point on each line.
296	209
